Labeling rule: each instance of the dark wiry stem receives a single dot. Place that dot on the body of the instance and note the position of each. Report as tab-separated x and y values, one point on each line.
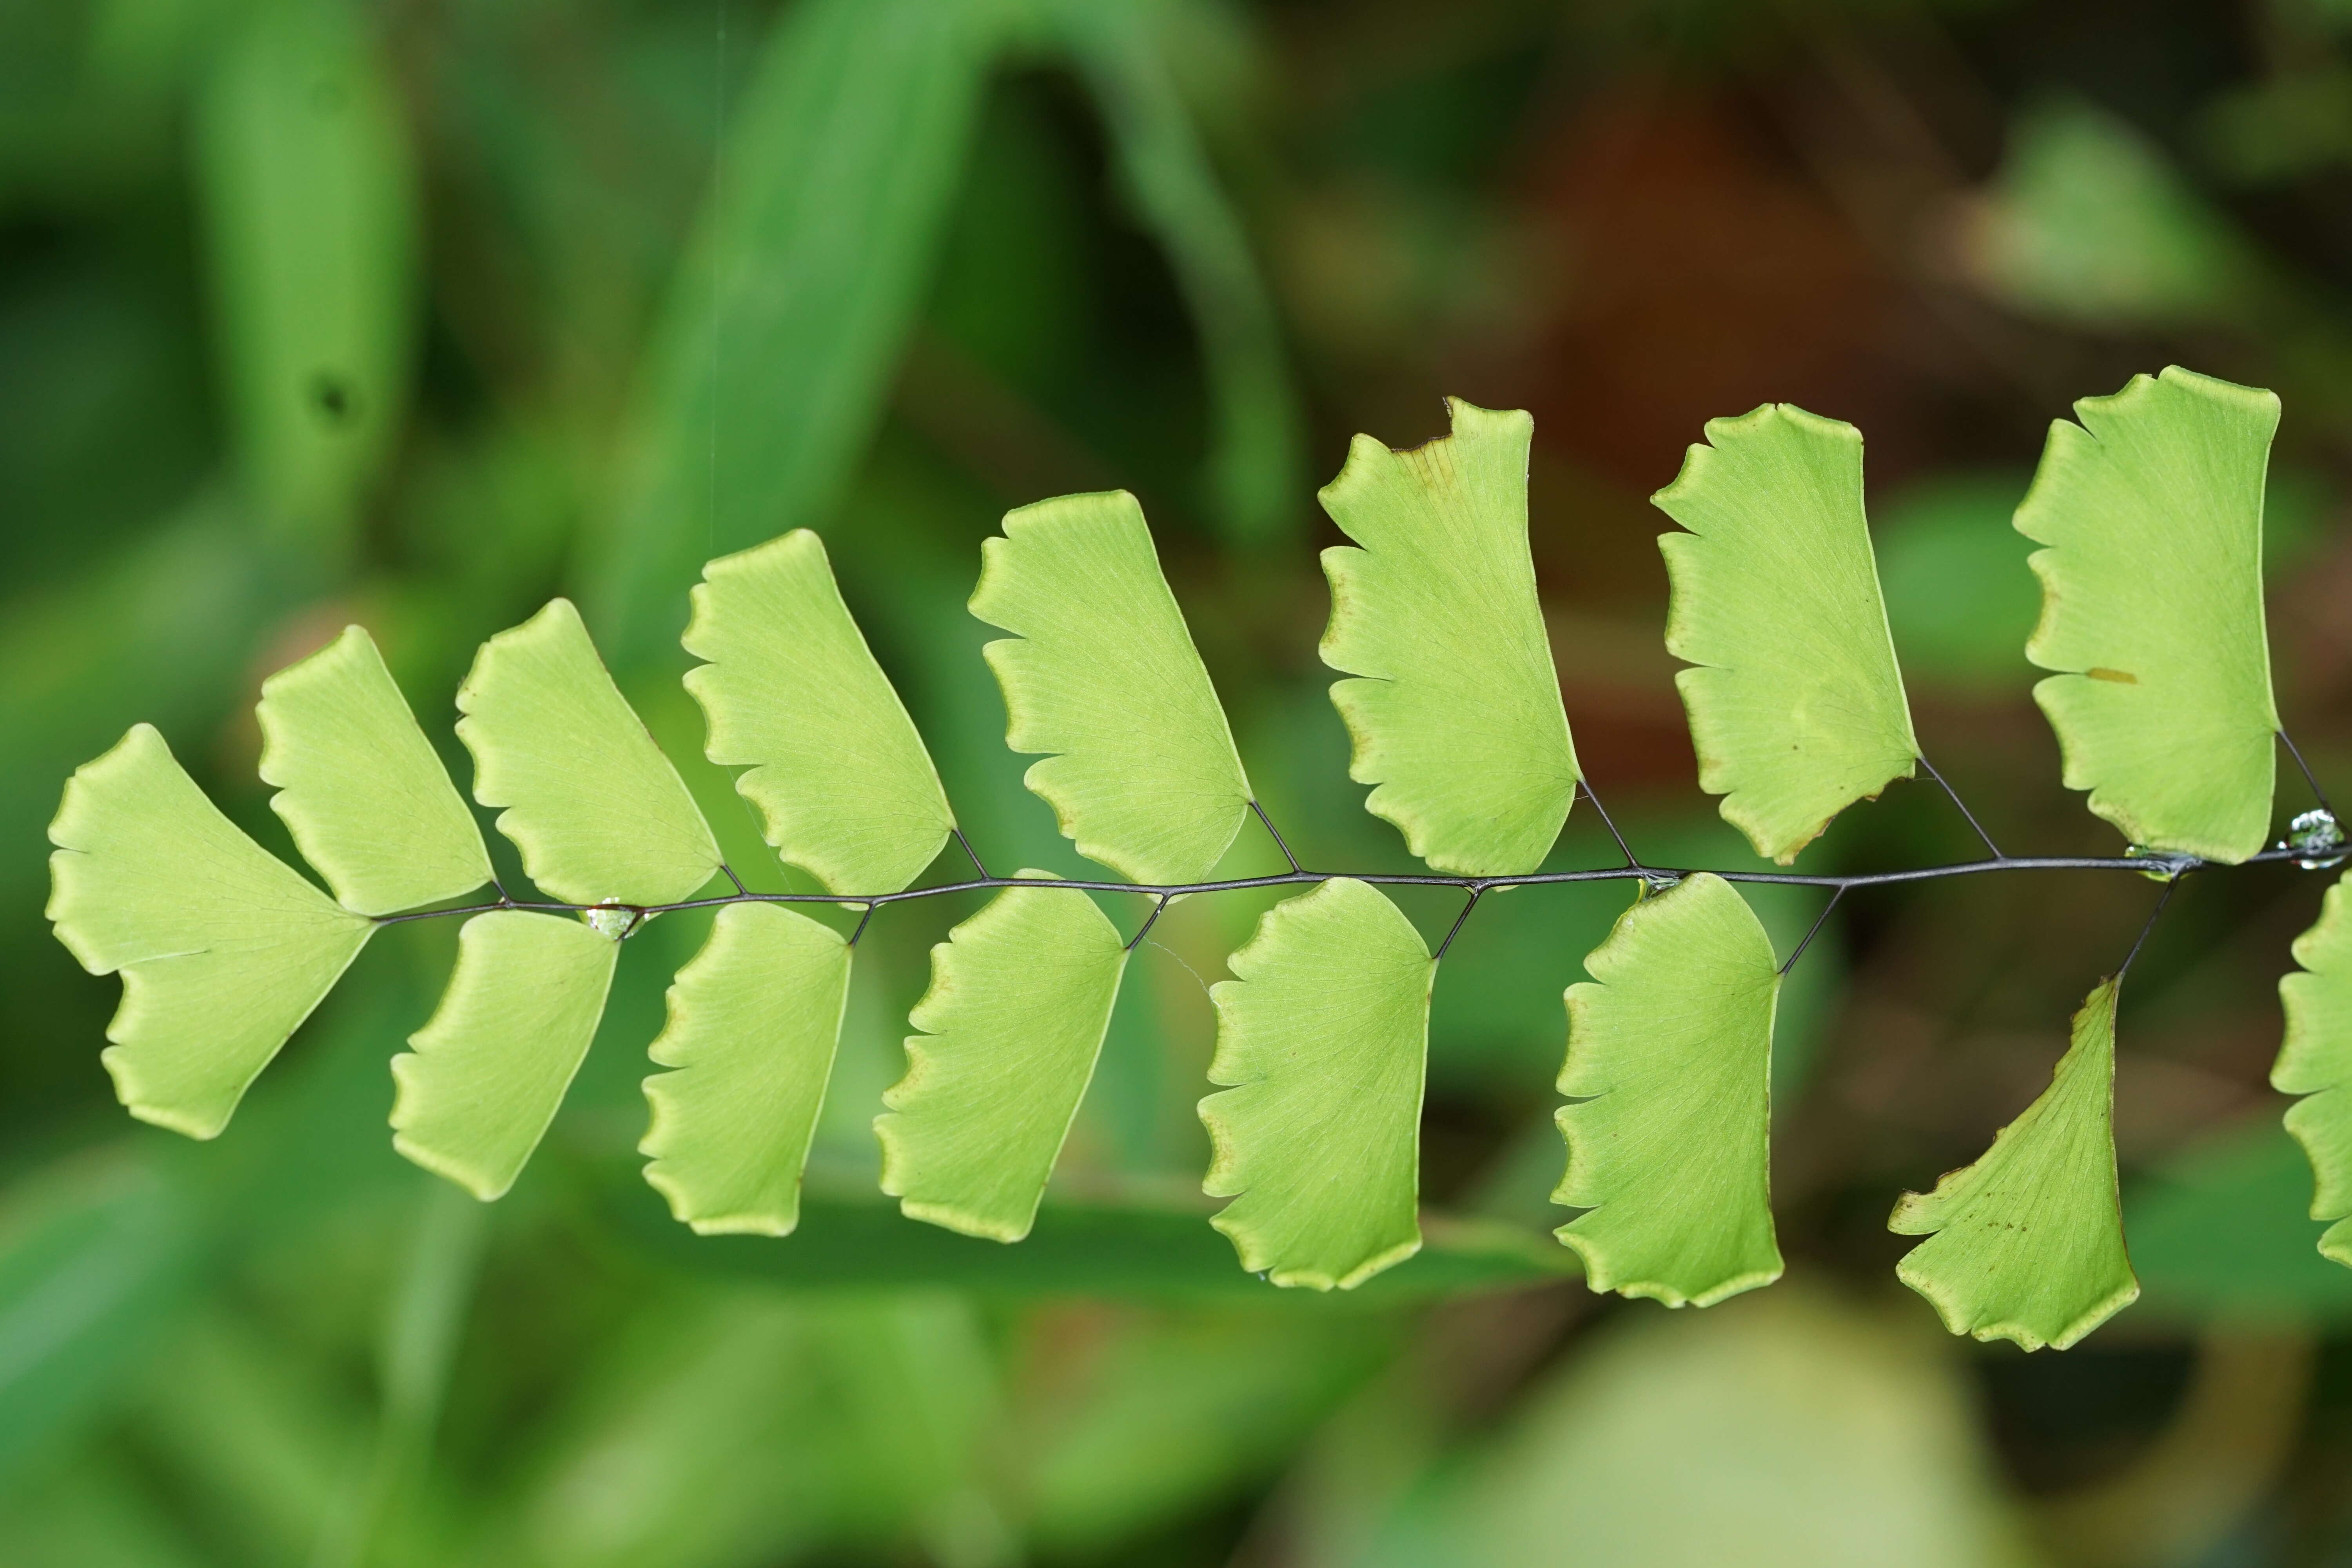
969	852
1148	922
1275	836
2318	793
2180	866
1814	931
1632	860
1477	892
2141	941
1956	801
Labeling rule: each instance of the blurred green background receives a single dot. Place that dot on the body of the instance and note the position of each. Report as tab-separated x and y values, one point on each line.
413	312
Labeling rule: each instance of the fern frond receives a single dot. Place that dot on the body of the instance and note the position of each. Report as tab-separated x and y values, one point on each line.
2152	512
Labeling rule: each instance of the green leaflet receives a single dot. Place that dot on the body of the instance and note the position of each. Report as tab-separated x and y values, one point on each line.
2027	1242
368	802
1323	1035
1456	716
2314	1061
1796	705
1101	669
838	772
2152	606
308	204
1014	1020
597	811
224	950
1669	1061
481	1081
754	1023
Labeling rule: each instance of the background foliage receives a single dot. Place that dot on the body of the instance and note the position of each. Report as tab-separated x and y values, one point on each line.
607	287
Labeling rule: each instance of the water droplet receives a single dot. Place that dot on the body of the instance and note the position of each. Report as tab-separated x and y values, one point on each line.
1656	883
2163	865
611	920
2314	835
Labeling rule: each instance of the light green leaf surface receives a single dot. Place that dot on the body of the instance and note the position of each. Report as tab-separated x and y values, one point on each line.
843	783
308	195
2314	1061
360	789
2027	1242
1796	705
597	811
223	949
778	340
1014	1020
2152	606
1455	717
1669	1063
1324	1036
1101	670
481	1081
754	1023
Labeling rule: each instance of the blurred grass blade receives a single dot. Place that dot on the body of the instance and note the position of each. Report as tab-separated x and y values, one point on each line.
1669	1058
1020	996
754	1021
1455	710
598	812
309	199
1324	1038
1797	708
366	798
93	1255
1101	671
773	355
100	1252
1256	462
223	948
2151	511
2027	1244
483	1077
1140	1249
843	783
424	1322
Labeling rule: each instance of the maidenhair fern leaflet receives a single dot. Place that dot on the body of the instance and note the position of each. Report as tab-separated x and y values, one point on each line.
2150	511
